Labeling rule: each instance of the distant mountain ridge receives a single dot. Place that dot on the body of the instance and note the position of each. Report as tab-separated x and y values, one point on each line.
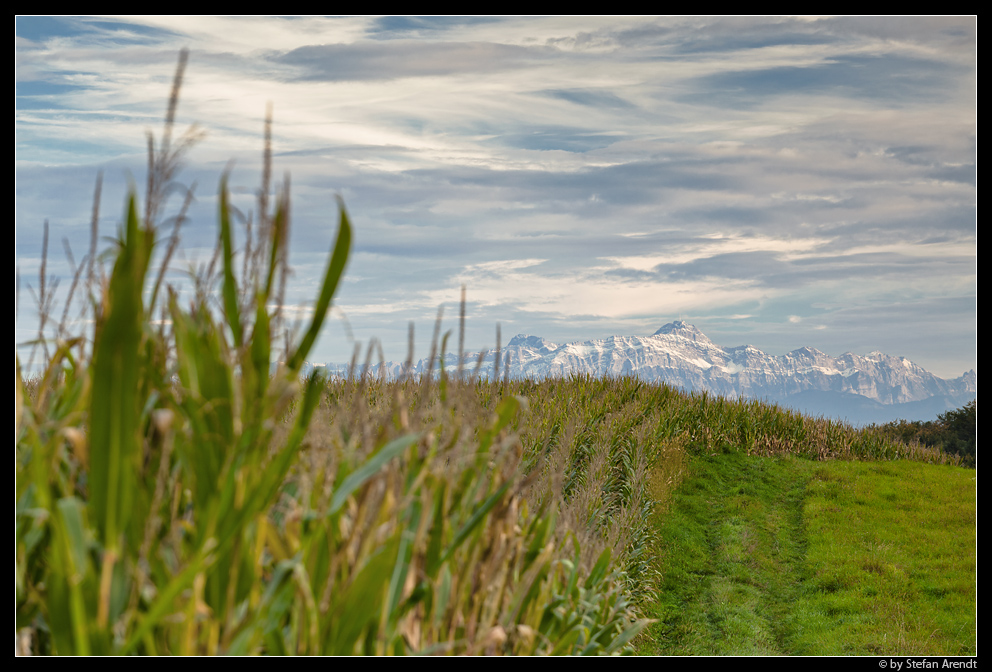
859	388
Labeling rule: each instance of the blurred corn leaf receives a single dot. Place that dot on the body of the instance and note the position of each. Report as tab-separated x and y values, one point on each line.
174	497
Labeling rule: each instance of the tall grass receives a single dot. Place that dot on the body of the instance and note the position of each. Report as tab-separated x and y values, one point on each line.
173	497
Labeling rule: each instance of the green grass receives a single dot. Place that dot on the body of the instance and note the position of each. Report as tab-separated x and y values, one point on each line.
891	564
785	556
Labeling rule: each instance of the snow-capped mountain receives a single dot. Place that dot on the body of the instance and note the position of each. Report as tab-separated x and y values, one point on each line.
861	388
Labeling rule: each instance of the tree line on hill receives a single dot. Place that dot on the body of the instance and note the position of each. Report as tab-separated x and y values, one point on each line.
955	432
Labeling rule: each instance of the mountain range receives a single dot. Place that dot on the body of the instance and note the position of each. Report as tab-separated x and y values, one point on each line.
861	389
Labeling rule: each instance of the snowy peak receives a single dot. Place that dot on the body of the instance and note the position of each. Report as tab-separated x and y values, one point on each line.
746	355
807	353
533	343
683	330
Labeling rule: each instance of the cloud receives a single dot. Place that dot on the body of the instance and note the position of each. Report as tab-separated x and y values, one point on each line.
890	80
404	58
583	176
392	27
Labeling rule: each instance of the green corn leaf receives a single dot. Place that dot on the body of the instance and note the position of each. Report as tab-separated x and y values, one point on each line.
505	414
618	643
566	644
358	477
402	566
443	378
538	533
477	517
265	489
72	525
279	224
164	599
72	547
261	347
436	535
231	309
358	607
599	570
331	278
114	406
208	399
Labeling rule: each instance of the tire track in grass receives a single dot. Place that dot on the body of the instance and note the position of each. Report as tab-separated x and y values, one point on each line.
732	550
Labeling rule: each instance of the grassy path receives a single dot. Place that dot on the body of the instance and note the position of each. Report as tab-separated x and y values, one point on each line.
763	556
732	546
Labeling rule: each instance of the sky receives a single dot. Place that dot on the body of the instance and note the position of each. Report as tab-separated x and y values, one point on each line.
780	182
